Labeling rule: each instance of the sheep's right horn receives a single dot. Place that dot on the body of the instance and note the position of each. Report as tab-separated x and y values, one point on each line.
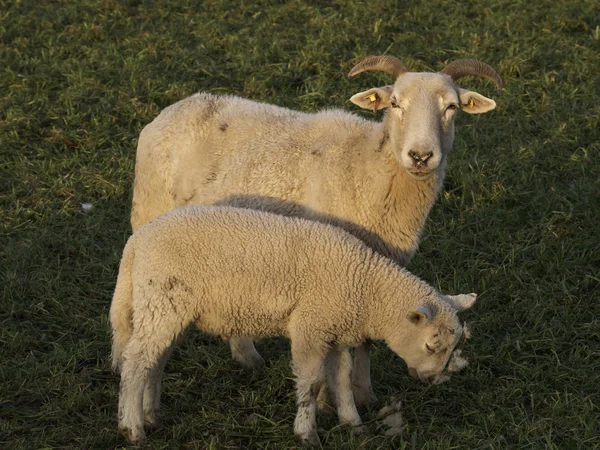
387	64
464	67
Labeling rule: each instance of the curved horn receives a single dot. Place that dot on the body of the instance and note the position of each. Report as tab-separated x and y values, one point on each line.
464	67
387	64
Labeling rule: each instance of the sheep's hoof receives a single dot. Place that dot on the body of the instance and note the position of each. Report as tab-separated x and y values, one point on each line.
251	361
152	423
253	365
363	395
136	437
357	430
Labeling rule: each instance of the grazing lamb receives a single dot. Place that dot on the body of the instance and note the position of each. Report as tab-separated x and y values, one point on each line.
245	273
376	180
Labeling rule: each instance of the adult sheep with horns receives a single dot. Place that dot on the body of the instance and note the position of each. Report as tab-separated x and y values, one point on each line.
376	180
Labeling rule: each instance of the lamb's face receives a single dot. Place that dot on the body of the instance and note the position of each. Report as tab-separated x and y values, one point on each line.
429	337
428	353
419	122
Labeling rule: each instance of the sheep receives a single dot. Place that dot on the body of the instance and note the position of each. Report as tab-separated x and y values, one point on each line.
245	273
376	180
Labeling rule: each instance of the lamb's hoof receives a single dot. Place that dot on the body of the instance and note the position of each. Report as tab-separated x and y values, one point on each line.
134	437
356	425
363	395
310	439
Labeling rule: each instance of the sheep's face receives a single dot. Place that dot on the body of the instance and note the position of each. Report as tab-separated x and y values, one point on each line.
419	122
427	341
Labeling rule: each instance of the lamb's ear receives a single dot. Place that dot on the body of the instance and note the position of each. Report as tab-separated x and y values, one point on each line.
421	316
374	98
475	103
461	302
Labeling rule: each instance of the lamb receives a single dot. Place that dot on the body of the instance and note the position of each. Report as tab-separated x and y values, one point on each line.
376	180
245	273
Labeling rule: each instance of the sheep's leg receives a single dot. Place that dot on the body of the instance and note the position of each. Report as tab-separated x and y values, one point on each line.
244	353
361	379
308	365
152	389
325	401
338	366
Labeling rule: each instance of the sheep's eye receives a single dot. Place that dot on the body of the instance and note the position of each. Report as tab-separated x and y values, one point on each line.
394	104
452	107
429	349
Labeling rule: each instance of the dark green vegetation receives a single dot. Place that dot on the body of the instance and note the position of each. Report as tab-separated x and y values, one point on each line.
517	222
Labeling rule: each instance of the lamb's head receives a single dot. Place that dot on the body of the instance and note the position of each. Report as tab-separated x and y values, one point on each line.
420	120
428	338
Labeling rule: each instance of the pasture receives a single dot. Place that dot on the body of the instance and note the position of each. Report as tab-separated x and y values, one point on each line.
518	219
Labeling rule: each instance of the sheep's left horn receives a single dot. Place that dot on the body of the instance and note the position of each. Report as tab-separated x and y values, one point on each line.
387	64
464	67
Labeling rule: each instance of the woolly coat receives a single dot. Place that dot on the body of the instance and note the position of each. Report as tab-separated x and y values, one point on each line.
246	273
330	166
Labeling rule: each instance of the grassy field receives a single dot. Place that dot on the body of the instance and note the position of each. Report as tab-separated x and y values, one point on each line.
518	220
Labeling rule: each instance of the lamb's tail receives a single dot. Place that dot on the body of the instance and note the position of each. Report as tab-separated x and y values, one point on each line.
121	309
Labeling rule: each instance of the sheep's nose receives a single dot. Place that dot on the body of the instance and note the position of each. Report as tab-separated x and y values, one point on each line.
426	156
419	159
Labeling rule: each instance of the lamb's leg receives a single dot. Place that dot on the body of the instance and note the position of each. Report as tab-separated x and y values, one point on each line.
152	393
338	366
308	365
143	362
244	353
136	364
361	376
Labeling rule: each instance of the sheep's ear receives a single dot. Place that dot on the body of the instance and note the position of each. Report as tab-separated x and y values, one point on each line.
461	302
420	317
475	103
374	99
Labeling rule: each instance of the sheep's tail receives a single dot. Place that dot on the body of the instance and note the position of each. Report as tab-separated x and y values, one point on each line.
121	309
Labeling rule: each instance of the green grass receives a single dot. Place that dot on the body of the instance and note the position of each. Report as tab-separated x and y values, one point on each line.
517	222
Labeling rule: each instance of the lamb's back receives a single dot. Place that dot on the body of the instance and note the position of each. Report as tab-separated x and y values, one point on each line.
249	269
